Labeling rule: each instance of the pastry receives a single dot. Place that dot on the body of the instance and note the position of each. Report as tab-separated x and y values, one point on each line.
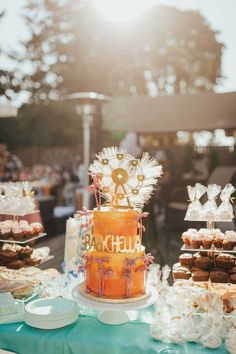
7	255
207	240
17	233
218	238
203	262
186	259
181	273
24	252
196	241
16	264
225	261
200	275
218	276
232	278
37	227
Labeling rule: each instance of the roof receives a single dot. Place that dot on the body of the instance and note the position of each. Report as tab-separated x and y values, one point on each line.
171	113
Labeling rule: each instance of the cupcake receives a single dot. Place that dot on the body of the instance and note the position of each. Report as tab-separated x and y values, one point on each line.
231	235
27	232
16	264
7	255
5	233
179	272
207	240
218	238
200	275
218	276
196	241
23	223
232	278
232	270
37	227
17	233
186	259
24	252
225	261
187	235
203	262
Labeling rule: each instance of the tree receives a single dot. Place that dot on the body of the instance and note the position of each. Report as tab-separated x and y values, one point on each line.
166	51
9	84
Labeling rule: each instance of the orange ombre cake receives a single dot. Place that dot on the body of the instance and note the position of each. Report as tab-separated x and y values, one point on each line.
115	266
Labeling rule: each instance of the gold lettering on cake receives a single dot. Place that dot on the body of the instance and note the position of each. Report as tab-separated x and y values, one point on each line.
112	243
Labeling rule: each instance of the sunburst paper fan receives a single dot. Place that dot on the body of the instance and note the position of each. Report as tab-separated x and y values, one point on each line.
125	182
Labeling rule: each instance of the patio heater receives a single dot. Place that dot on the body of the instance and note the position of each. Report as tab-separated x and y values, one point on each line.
88	106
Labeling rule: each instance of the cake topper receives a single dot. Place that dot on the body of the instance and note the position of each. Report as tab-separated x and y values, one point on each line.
124	182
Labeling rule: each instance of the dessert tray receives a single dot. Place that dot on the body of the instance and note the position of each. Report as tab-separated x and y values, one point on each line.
114	313
42	234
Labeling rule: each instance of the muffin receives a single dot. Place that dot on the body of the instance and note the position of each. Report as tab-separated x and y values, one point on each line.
24	252
232	278
180	273
229	241
37	227
200	275
27	232
232	270
218	276
218	238
5	233
16	264
7	255
17	234
187	235
186	259
225	261
203	262
23	223
196	241
228	245
207	240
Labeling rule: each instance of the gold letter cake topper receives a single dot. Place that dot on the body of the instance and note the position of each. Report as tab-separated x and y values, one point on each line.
125	182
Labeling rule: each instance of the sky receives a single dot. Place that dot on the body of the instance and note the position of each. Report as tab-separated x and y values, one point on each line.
220	14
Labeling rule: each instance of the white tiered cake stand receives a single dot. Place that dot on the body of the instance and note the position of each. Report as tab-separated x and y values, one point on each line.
114	313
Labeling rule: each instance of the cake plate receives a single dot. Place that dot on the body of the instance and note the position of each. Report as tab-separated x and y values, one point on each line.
114	313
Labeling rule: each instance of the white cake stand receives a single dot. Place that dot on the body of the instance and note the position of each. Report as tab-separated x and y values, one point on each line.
115	313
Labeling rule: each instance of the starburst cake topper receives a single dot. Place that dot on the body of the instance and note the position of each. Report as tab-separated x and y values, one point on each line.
123	181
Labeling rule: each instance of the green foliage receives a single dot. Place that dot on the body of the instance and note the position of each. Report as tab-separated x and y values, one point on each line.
73	48
56	124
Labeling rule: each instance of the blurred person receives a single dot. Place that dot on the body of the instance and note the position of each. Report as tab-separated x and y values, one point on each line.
131	144
200	168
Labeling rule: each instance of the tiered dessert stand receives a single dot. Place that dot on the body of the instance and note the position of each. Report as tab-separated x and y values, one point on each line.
114	311
210	224
21	213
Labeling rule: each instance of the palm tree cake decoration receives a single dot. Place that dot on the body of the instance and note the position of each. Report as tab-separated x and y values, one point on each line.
122	180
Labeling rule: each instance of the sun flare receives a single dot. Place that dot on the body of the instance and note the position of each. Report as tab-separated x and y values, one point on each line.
121	10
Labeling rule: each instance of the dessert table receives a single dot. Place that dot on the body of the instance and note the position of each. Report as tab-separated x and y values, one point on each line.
89	336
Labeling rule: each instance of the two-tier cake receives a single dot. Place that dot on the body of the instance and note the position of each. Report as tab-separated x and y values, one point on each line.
115	266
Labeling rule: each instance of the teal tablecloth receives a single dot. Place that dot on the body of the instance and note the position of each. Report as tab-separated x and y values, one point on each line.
88	336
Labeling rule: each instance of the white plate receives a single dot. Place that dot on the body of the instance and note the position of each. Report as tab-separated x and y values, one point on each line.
51	313
42	234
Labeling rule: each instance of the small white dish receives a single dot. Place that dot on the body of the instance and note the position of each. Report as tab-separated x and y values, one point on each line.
51	313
